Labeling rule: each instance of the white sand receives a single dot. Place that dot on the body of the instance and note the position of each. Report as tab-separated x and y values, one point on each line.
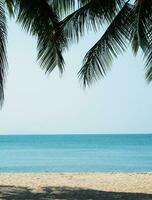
124	182
87	182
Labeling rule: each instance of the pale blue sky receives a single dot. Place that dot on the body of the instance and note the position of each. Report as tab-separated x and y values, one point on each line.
36	103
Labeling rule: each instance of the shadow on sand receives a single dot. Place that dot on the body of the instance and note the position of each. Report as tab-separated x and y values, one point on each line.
65	193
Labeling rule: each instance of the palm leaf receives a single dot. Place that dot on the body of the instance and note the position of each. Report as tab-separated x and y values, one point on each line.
137	29
99	58
90	16
10	6
148	51
63	7
38	18
3	59
145	33
75	25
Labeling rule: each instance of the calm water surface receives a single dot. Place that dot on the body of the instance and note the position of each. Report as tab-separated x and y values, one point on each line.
76	153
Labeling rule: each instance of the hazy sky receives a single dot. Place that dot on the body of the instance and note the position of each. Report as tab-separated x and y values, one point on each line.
36	103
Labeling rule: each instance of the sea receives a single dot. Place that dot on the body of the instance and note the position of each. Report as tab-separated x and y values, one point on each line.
76	153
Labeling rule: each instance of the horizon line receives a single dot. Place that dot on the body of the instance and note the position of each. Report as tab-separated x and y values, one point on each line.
24	134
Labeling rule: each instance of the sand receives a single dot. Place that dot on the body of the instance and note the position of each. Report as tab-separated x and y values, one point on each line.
76	186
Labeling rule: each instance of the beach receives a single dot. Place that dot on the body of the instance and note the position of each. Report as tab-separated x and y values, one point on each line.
76	186
76	167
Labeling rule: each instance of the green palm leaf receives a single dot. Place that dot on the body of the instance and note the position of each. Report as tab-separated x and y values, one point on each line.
75	25
145	33
3	60
99	58
38	18
90	16
63	7
10	6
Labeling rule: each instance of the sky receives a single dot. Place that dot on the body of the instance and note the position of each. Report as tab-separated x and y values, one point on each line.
36	103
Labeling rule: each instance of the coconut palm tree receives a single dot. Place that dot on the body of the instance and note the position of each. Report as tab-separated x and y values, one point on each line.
57	23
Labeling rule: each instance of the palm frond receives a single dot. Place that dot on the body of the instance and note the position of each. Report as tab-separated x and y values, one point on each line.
63	7
90	16
144	32
10	6
99	58
136	32
3	59
135	44
148	51
75	25
38	18
139	36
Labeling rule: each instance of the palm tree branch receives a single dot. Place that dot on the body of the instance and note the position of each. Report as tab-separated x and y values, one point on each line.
10	6
90	16
3	58
63	7
145	34
99	58
38	18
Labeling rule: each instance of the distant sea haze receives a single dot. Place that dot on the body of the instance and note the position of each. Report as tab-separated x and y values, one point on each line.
76	153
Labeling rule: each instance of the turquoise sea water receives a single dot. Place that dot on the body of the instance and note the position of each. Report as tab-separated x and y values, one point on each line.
76	153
